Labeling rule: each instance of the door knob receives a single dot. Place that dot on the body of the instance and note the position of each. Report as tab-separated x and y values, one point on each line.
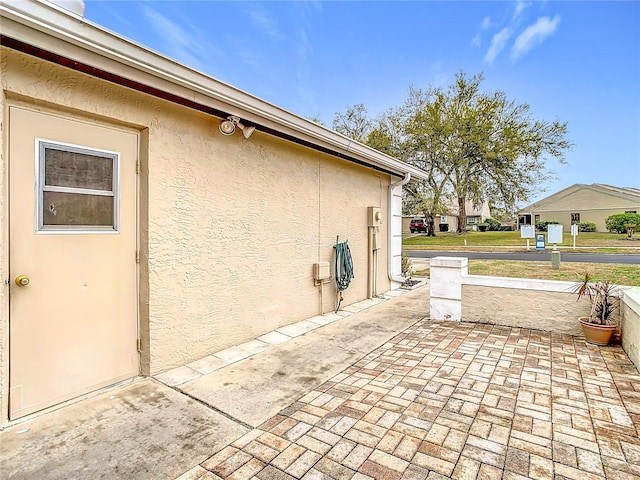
22	280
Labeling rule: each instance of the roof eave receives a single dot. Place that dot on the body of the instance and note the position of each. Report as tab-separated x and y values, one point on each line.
36	22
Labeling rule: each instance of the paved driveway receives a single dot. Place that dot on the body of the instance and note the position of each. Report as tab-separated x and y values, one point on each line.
454	400
379	392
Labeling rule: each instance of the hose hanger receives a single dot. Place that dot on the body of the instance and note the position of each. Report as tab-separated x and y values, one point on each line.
343	269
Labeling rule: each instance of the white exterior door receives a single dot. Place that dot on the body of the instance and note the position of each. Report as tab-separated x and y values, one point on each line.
72	241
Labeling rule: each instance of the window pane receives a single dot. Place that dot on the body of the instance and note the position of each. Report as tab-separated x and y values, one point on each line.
77	209
81	170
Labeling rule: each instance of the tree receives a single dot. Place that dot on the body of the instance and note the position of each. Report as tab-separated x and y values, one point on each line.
393	133
316	119
421	141
474	146
353	123
623	222
490	149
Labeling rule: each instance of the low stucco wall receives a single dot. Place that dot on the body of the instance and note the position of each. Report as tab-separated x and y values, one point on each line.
516	302
544	305
630	324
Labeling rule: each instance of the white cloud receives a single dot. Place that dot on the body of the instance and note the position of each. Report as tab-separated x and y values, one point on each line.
168	28
498	42
309	8
305	13
534	35
304	51
521	6
477	40
179	40
261	19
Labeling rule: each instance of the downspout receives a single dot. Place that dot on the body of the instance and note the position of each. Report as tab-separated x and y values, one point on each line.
392	277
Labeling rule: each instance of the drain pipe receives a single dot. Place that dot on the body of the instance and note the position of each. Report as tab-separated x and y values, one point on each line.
392	277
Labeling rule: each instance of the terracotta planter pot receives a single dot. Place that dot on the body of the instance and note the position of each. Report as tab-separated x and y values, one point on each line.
597	334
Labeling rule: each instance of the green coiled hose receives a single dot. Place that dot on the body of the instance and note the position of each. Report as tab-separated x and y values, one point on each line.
343	269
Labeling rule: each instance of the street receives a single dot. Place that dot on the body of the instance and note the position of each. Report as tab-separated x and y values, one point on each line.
532	256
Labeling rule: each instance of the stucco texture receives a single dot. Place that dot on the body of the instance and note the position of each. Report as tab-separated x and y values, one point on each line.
630	324
549	311
229	227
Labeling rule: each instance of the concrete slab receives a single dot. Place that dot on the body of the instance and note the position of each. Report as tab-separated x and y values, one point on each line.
353	308
369	302
297	329
178	375
144	430
394	293
239	352
325	319
257	388
207	364
274	338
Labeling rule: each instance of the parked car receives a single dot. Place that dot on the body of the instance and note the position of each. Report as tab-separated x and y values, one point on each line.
417	225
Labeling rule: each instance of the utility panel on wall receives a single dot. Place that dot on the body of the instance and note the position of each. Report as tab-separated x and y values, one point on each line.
374	216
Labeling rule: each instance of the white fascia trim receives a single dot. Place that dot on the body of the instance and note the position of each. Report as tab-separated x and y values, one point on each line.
52	20
390	232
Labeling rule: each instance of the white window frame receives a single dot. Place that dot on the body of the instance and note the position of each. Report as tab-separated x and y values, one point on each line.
40	188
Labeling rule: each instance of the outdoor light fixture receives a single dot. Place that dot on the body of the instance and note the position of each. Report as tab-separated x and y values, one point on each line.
228	126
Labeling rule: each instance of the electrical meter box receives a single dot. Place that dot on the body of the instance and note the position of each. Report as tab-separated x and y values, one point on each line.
321	271
374	216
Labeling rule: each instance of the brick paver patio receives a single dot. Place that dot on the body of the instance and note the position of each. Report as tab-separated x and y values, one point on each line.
455	400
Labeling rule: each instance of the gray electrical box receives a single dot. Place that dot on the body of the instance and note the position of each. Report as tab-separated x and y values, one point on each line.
374	216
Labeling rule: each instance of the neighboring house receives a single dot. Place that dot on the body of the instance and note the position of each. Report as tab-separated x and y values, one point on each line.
582	203
474	214
144	233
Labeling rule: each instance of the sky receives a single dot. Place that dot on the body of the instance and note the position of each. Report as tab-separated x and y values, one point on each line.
573	61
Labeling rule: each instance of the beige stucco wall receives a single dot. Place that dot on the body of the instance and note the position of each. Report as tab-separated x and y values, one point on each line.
549	311
230	227
630	324
595	216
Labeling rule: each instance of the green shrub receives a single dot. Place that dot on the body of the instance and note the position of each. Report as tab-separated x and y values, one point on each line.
587	227
482	227
493	225
542	226
616	223
444	227
506	228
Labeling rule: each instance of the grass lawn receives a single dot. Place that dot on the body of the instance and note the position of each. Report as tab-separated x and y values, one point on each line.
569	271
512	239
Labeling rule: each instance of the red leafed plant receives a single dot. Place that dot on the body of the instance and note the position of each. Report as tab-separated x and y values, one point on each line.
603	295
